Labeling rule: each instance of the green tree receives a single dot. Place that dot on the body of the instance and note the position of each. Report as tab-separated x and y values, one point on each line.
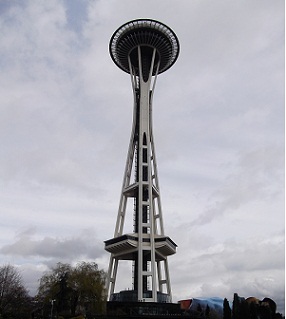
73	290
253	310
15	301
244	310
235	306
207	312
265	312
53	291
89	282
226	309
240	308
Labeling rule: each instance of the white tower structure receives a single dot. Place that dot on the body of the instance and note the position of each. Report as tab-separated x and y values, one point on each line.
143	48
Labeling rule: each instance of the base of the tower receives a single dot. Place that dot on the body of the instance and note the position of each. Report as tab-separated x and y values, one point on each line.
132	296
125	303
134	309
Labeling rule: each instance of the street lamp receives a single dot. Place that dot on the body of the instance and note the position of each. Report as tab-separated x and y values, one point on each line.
52	303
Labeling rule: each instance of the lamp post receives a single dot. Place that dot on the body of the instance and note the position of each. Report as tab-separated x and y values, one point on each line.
52	308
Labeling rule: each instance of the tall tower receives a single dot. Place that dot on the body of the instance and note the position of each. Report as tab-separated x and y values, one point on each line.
143	48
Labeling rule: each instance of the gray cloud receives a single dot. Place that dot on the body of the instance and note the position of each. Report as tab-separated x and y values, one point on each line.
83	245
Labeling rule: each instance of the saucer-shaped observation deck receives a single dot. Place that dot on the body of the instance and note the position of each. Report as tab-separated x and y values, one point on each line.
148	35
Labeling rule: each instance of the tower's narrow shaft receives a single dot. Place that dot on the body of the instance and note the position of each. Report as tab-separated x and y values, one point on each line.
143	48
144	219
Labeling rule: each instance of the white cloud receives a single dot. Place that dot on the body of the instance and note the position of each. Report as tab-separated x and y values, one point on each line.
259	179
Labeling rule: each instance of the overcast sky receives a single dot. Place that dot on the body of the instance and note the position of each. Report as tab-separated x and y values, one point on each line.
65	123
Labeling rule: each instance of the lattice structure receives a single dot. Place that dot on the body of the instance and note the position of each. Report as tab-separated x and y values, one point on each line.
143	48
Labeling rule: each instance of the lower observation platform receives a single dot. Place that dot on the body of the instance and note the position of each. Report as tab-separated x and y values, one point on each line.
125	246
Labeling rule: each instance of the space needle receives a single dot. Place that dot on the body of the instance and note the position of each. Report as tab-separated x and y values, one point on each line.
143	48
